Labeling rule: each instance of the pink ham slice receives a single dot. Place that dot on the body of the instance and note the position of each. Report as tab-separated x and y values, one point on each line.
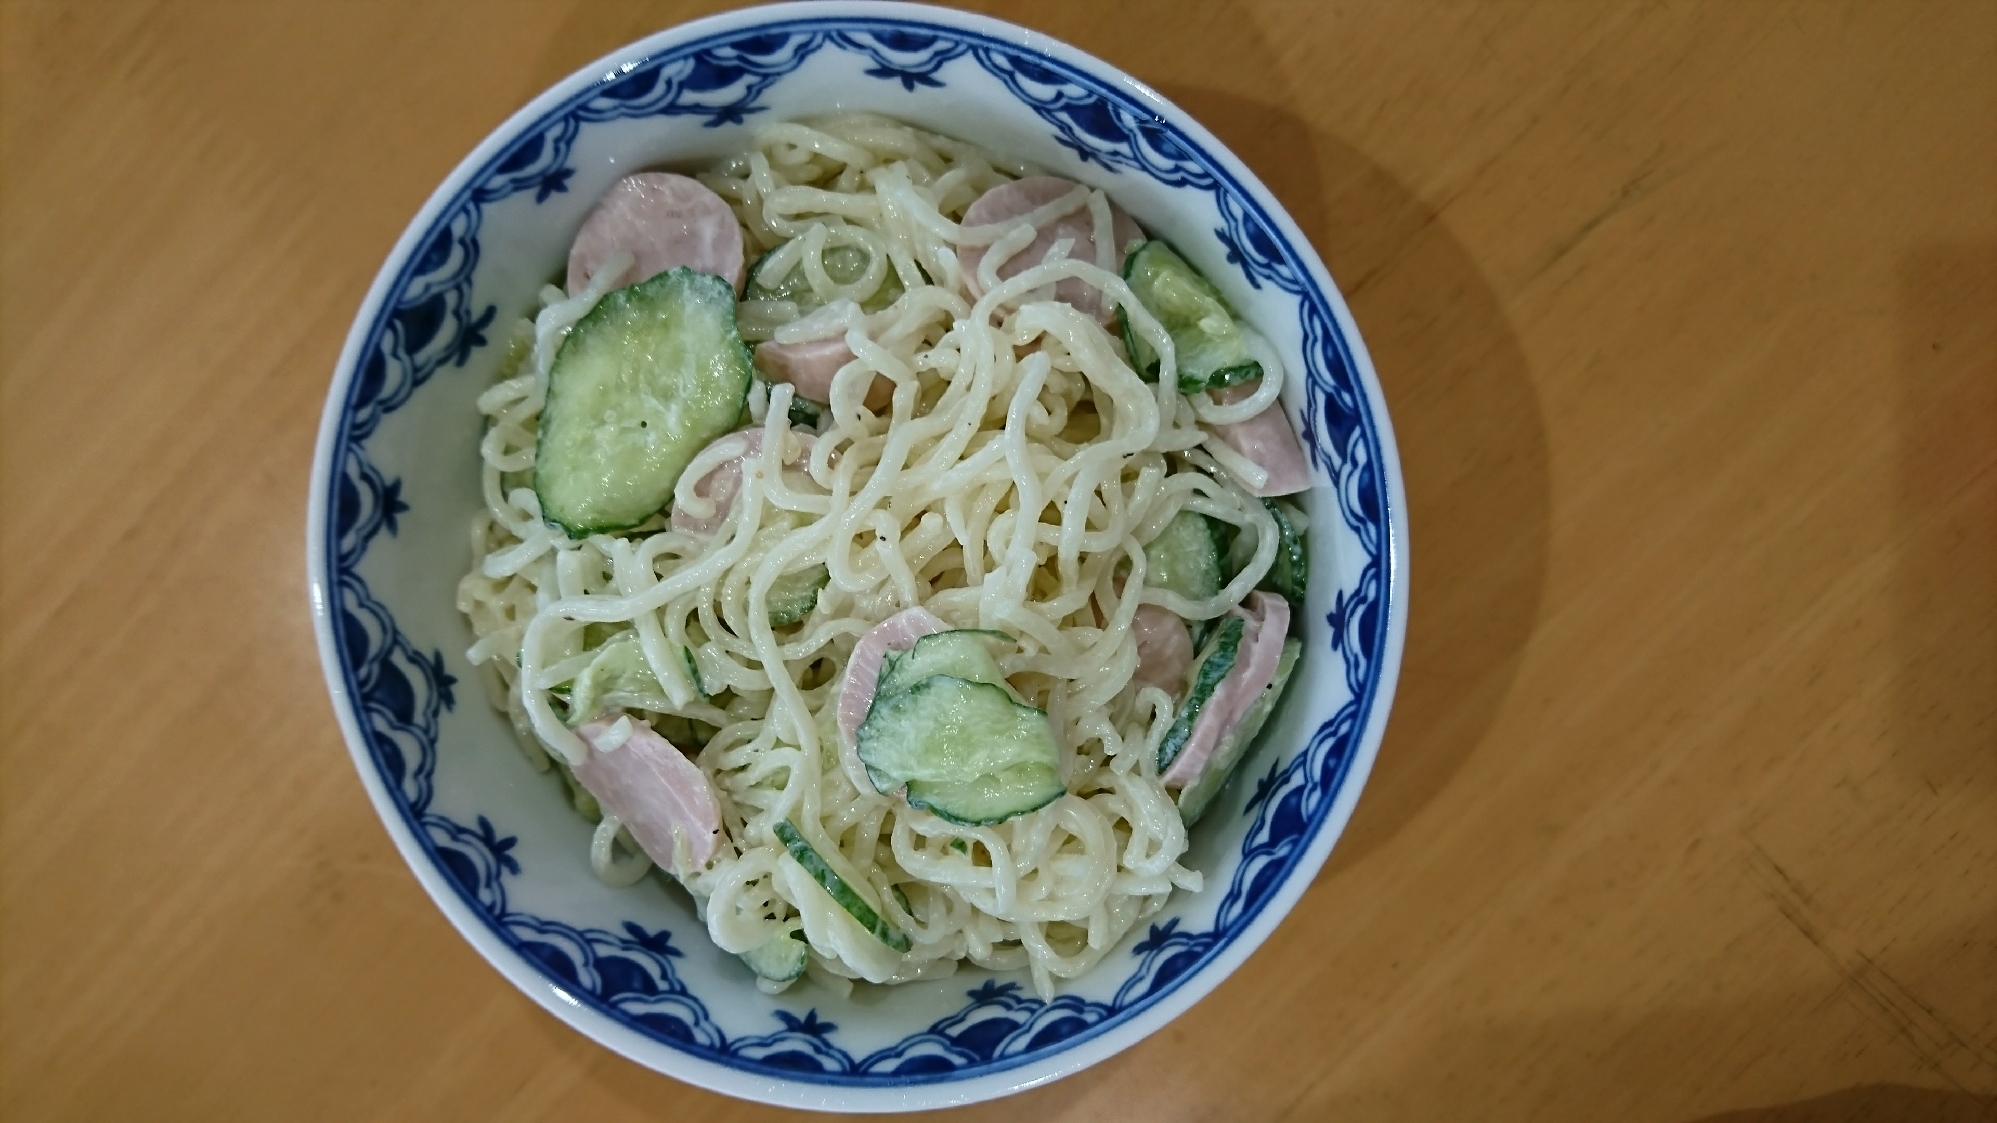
1267	440
724	483
863	670
1164	649
1012	200
810	365
666	221
1268	622
654	790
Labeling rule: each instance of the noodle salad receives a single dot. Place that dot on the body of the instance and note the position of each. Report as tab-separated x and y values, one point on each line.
882	540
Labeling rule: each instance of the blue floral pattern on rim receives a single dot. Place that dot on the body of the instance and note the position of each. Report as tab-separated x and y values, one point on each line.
429	321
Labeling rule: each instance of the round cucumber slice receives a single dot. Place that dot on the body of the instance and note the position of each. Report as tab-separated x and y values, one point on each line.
1205	333
619	677
792	596
1188	557
653	374
779	958
964	750
963	653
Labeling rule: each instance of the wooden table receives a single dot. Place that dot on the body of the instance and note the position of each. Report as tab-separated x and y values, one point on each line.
1687	314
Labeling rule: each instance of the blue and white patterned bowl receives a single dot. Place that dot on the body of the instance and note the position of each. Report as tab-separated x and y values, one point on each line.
395	485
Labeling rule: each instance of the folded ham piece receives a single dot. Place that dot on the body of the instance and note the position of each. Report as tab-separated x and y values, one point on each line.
1267	440
1164	649
659	795
1268	624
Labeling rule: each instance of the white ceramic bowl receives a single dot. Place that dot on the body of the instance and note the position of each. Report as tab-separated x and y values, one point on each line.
395	485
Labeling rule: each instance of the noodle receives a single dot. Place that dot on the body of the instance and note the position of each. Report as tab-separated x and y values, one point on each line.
1010	484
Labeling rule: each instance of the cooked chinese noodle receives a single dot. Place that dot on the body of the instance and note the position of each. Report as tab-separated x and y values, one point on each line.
1009	485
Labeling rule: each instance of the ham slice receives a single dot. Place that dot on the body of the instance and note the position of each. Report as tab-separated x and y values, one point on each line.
863	670
659	795
666	221
1164	649
1267	440
1017	198
1268	623
724	483
809	365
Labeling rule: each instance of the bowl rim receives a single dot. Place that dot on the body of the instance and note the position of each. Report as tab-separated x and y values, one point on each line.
998	1078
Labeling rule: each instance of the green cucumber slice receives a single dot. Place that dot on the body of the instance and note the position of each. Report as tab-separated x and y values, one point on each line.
1188	557
793	595
836	887
1195	797
1215	660
779	958
966	750
693	674
618	678
844	264
964	653
1291	570
989	799
653	374
1212	351
805	413
580	797
596	635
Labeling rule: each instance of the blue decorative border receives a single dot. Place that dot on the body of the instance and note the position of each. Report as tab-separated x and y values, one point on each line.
429	321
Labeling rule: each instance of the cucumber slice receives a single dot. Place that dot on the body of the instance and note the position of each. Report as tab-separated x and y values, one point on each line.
965	750
992	798
618	678
596	635
1205	333
693	674
805	413
580	797
792	596
964	653
844	264
779	958
1291	570
1218	657
1188	557
644	382
836	887
1195	797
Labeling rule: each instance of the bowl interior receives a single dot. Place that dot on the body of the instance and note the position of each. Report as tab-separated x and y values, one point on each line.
396	486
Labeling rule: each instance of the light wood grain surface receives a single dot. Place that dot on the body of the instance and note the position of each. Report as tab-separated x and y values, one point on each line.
1687	316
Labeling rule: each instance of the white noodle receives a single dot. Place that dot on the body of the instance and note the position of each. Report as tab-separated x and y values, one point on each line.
1010	483
1264	396
609	837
